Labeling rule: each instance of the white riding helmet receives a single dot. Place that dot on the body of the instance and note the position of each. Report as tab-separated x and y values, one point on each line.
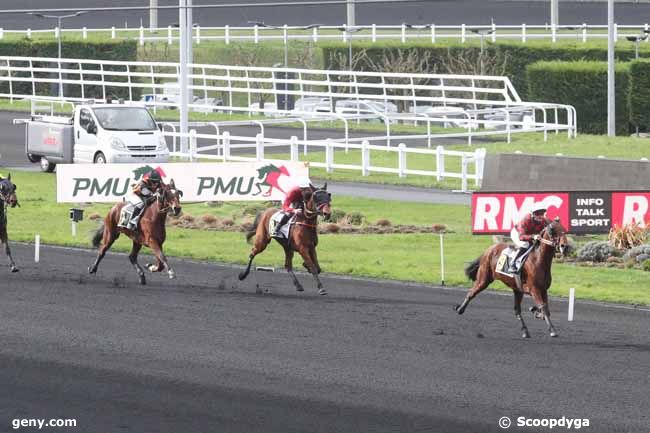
303	182
537	207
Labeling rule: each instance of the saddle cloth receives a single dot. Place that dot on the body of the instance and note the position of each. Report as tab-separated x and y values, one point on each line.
125	216
284	230
507	256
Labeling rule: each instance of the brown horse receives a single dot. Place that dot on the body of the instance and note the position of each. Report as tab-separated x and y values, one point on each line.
151	234
303	236
8	198
535	274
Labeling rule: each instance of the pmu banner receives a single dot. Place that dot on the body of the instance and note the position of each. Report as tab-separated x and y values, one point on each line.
200	182
581	212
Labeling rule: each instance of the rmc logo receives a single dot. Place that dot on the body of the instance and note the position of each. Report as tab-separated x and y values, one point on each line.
498	213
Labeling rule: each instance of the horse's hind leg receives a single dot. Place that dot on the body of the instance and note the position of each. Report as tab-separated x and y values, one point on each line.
261	242
482	281
5	240
108	239
524	329
133	258
288	265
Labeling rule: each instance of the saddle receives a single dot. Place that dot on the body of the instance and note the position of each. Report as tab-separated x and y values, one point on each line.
284	230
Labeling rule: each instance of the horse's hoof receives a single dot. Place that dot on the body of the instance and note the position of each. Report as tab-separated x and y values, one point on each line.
322	292
151	268
91	270
525	335
143	280
300	289
172	275
458	309
14	269
553	334
532	309
241	276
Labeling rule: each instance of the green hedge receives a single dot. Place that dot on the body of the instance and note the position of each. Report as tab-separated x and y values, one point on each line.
584	85
640	94
76	49
512	58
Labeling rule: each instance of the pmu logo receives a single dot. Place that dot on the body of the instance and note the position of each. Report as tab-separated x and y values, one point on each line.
113	186
269	178
499	213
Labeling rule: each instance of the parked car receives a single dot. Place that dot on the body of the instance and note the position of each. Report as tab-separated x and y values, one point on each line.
452	116
366	107
313	104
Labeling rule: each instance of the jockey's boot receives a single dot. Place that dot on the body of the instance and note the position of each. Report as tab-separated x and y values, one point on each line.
135	218
513	263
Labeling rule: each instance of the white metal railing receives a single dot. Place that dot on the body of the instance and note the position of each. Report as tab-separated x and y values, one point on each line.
221	146
478	96
429	32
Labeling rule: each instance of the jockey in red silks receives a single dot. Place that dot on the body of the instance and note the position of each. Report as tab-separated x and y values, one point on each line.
293	202
528	230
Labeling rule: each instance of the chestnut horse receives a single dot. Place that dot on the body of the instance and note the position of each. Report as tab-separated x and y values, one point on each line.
151	233
535	275
303	236
7	199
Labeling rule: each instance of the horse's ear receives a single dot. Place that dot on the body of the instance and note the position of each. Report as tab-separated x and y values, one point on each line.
172	184
325	187
9	177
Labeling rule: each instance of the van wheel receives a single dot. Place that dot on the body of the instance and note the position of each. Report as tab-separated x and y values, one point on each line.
46	165
100	158
33	158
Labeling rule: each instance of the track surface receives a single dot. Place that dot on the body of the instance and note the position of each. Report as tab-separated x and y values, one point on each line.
205	353
440	12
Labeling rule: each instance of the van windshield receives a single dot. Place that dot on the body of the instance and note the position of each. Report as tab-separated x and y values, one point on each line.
125	119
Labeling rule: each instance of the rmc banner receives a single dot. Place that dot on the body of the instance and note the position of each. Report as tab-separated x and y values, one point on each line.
200	182
586	212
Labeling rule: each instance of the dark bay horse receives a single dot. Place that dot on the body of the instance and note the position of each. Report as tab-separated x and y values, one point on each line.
303	236
8	199
151	234
535	274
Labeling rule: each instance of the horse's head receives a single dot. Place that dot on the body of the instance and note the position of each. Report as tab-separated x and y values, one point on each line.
8	192
169	199
319	201
555	233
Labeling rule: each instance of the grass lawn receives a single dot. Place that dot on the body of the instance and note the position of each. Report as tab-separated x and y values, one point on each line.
410	257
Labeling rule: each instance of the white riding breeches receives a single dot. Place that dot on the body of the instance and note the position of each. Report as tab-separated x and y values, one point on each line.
514	235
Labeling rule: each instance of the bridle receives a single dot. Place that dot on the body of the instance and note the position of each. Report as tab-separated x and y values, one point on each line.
555	239
4	197
161	195
312	214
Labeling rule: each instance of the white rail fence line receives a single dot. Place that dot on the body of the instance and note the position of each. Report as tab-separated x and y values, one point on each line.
430	32
254	149
475	97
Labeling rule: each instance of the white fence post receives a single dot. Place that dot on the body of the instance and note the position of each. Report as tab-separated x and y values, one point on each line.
479	163
294	148
141	37
440	163
259	147
84	33
494	32
226	34
192	144
523	33
169	35
584	32
401	156
572	297
29	33
226	146
198	35
329	156
403	33
553	33
314	35
113	33
2	33
433	33
37	248
374	33
256	34
365	158
463	173
463	34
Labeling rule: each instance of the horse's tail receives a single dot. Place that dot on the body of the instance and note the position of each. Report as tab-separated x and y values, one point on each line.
472	269
98	236
251	232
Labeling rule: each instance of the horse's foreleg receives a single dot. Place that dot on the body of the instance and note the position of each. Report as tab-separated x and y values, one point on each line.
107	241
311	266
158	252
133	258
5	240
541	310
524	329
261	242
314	258
288	265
